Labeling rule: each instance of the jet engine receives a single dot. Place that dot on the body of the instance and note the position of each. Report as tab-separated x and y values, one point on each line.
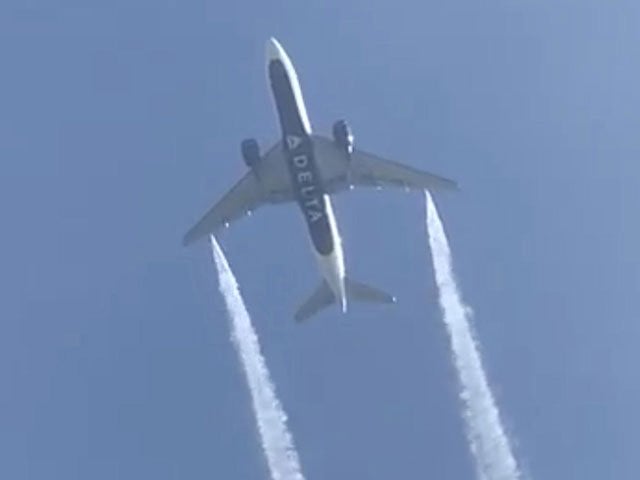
342	136
250	152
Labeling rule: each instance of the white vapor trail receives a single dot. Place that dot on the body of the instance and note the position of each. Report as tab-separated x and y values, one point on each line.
487	439
277	442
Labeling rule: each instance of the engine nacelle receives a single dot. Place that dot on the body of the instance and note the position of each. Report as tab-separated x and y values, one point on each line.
342	136
250	152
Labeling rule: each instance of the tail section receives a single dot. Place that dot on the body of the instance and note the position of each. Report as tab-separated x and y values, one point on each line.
364	293
322	297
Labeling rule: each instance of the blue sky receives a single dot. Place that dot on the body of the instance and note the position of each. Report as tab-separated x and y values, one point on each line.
120	124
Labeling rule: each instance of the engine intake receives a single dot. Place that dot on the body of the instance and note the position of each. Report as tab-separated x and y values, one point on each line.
342	135
250	152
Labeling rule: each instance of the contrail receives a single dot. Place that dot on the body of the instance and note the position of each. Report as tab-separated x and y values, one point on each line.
277	442
488	442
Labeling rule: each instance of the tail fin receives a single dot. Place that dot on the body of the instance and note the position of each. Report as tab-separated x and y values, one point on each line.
322	297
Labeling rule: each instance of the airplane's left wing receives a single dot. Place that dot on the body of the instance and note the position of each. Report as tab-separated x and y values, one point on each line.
371	170
267	183
365	169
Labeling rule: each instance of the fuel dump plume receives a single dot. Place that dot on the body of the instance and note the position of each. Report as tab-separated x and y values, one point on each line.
487	439
271	420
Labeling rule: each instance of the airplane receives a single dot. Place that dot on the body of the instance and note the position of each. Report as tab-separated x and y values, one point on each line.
307	168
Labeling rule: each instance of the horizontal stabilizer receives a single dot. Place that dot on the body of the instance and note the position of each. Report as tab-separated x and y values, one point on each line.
322	297
364	293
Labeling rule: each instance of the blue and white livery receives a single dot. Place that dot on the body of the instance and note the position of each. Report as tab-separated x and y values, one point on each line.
307	169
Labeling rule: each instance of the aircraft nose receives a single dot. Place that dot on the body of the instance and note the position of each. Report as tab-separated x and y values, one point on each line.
274	50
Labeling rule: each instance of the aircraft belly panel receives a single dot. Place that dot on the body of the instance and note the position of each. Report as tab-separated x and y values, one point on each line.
309	191
291	120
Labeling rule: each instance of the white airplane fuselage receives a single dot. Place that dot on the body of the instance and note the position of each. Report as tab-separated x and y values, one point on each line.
306	181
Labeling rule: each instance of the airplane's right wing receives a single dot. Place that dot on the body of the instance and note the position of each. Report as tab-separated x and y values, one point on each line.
266	183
